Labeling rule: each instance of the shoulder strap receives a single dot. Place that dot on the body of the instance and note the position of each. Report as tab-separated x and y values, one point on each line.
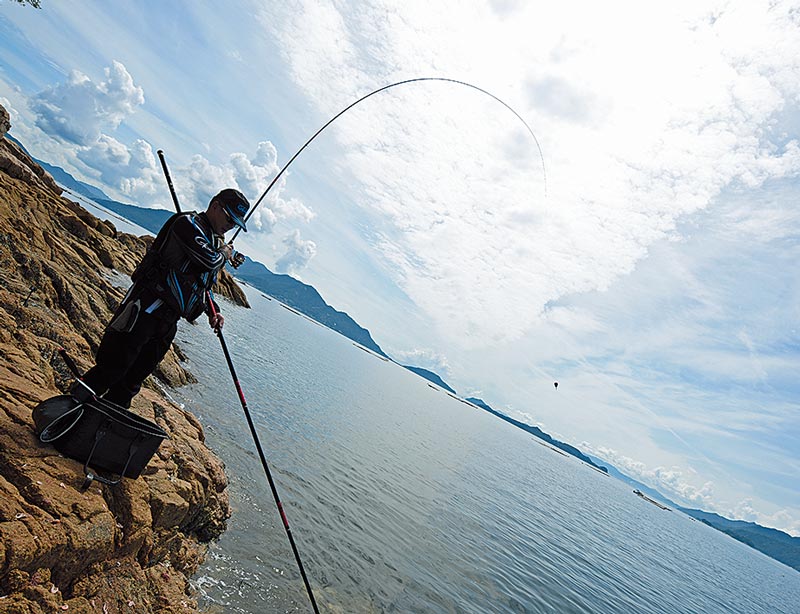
148	265
162	235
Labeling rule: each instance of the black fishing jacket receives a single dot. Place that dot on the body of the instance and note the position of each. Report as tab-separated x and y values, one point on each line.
176	275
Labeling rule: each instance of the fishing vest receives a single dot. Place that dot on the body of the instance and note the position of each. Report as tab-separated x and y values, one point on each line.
168	273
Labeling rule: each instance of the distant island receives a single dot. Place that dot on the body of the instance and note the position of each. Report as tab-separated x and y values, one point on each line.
772	542
537	432
306	300
430	376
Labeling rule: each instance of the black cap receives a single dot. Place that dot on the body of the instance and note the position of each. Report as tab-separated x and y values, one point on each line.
235	204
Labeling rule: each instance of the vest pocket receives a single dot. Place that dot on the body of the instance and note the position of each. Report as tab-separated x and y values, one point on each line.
126	319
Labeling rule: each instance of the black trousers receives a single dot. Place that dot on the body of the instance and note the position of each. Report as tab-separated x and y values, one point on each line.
125	359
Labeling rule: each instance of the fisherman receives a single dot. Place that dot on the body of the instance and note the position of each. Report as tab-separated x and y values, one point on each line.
173	280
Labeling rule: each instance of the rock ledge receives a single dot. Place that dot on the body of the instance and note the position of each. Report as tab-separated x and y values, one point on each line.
126	548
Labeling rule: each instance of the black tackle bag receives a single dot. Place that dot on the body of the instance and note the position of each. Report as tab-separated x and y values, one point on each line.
100	434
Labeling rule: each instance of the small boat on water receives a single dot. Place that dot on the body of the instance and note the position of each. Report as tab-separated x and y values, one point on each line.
639	493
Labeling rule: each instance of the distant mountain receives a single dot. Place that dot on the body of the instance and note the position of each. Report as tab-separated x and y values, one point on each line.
306	300
772	542
63	178
776	544
69	182
149	219
430	376
536	431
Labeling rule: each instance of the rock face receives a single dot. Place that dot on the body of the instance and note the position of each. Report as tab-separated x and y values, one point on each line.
5	122
125	548
14	162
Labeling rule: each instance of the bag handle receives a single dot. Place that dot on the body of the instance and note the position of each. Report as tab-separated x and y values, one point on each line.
91	475
52	431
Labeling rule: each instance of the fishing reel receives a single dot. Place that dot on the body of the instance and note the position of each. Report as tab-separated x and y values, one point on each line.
236	259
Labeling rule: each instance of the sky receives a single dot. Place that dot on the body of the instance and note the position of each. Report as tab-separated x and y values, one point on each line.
639	246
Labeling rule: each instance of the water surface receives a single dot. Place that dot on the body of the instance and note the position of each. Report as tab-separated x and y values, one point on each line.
403	499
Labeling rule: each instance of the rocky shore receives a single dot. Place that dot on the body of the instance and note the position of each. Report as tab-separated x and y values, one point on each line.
125	548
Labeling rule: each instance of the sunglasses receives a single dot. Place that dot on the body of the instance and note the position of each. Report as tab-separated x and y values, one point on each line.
227	215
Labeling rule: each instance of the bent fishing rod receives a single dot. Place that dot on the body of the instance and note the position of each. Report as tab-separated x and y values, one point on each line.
253	432
377	91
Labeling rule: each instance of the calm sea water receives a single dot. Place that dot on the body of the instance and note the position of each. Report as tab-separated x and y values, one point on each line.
402	499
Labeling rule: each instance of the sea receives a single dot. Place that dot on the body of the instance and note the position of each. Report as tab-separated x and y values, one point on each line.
402	498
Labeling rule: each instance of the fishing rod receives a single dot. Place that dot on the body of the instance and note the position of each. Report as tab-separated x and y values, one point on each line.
264	464
253	432
160	153
377	91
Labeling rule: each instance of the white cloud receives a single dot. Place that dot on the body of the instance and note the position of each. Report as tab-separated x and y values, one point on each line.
80	114
253	175
298	253
783	519
202	179
84	113
13	114
79	109
426	358
643	139
671	481
116	163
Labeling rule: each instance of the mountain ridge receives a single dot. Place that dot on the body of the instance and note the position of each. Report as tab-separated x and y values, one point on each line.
776	544
537	432
430	376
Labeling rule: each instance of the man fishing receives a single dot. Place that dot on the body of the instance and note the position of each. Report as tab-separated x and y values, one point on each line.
172	281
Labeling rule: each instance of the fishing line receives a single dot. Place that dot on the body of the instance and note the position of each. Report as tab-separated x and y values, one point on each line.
377	91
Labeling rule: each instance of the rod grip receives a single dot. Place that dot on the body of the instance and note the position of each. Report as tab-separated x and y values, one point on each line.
69	362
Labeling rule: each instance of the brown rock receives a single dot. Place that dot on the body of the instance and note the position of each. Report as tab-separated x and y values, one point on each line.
138	542
16	163
5	121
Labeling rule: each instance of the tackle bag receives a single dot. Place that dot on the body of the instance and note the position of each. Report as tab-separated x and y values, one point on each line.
100	434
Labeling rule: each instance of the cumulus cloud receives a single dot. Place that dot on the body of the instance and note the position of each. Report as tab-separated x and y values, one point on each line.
254	174
671	481
79	110
201	180
298	253
426	358
633	142
86	113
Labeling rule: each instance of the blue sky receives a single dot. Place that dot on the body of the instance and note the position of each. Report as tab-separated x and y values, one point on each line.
653	276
